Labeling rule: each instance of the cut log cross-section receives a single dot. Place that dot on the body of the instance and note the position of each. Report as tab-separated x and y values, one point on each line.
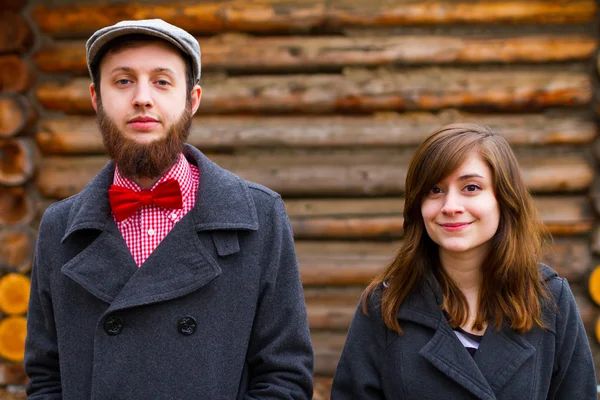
17	205
15	34
16	248
241	53
344	173
18	160
79	135
366	91
13	331
15	74
301	15
16	115
14	293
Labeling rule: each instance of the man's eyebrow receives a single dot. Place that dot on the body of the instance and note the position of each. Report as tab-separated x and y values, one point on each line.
157	69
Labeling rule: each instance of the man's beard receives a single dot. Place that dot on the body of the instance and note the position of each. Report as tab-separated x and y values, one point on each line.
144	160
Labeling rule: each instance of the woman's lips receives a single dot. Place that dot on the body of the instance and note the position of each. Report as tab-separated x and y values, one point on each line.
455	226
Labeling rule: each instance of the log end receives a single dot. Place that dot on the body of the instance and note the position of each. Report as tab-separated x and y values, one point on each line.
18	160
594	285
13	331
16	115
14	293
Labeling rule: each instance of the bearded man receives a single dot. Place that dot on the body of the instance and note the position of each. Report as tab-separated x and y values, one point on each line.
166	277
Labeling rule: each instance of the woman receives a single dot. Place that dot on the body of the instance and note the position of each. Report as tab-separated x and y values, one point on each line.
466	310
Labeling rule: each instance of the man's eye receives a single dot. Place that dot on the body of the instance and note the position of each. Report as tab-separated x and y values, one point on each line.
123	81
162	82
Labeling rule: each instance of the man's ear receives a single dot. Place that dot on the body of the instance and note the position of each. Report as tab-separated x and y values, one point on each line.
94	97
196	95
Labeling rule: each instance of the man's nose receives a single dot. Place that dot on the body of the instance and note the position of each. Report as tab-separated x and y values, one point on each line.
142	96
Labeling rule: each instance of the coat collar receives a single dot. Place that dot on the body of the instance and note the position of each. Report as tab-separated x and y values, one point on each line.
501	352
223	200
180	264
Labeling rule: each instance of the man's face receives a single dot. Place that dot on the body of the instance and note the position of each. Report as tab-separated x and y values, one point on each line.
144	115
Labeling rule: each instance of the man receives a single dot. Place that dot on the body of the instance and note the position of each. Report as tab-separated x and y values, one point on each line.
167	277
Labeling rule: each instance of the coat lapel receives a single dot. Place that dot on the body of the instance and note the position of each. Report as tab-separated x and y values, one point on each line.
501	354
444	351
179	265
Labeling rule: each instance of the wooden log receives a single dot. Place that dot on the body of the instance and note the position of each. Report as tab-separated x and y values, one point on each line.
327	347
383	13
300	15
13	393
322	387
12	374
17	205
367	91
357	263
13	5
18	161
594	285
14	293
328	173
79	135
13	331
17	244
15	35
16	115
15	74
244	53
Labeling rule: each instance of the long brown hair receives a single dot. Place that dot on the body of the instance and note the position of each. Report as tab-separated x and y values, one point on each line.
512	287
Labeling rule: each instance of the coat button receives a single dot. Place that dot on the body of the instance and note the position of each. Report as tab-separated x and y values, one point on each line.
113	325
186	326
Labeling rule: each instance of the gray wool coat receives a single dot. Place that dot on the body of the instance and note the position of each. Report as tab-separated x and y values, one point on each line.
428	362
216	312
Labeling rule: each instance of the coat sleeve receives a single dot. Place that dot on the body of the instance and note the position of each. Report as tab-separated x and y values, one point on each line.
358	374
41	349
574	376
280	354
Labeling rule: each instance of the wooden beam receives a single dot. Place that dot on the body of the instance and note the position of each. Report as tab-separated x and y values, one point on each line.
325	173
357	263
298	54
362	90
12	374
79	135
19	158
303	16
15	34
16	115
15	74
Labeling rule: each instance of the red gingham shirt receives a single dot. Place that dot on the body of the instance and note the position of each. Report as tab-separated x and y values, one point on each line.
145	229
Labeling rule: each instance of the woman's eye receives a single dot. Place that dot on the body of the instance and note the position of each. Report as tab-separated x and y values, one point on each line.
435	190
472	188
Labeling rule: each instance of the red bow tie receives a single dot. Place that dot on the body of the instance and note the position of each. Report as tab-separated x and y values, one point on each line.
125	202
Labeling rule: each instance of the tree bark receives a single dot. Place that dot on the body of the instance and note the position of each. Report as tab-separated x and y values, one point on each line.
16	115
367	91
300	54
79	135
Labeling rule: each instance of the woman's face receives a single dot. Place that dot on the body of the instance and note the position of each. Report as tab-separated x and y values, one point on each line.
461	213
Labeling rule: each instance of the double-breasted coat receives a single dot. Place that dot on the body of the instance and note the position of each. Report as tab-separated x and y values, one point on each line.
216	312
428	362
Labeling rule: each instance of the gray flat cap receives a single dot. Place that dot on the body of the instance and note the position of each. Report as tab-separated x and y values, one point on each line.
152	27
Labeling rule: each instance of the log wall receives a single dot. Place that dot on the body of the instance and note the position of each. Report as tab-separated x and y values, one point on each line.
323	101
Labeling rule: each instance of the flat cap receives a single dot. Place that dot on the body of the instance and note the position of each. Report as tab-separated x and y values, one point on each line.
152	27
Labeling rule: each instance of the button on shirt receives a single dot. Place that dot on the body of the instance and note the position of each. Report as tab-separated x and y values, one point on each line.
145	229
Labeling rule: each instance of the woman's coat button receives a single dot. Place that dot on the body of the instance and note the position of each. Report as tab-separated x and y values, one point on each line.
113	325
186	326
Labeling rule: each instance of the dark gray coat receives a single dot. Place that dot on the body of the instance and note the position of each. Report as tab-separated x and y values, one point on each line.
229	264
429	362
